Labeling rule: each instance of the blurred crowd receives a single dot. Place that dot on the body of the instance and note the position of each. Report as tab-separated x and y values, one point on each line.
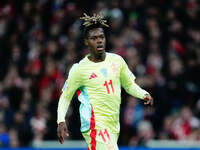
41	39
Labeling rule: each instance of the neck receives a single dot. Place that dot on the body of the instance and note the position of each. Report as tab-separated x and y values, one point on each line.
97	58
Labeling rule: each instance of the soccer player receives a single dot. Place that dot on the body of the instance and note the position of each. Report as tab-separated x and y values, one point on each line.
98	78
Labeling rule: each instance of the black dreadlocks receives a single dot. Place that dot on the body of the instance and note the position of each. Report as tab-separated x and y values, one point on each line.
91	22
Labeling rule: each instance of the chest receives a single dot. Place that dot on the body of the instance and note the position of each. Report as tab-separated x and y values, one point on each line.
98	74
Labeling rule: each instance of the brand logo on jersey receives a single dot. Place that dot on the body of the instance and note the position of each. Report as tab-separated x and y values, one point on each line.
104	72
93	75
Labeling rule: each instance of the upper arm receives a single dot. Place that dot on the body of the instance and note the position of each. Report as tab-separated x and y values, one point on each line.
73	81
126	76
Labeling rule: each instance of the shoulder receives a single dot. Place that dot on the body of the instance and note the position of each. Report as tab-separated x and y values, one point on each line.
115	56
82	62
74	71
112	54
74	68
78	66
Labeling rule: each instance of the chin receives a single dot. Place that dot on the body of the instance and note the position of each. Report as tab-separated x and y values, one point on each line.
101	52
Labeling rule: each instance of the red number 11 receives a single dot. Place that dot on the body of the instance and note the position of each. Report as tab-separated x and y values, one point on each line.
106	85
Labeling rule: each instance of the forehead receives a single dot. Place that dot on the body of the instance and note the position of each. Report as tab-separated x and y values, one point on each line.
96	32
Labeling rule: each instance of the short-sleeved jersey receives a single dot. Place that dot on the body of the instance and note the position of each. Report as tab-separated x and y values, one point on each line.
98	86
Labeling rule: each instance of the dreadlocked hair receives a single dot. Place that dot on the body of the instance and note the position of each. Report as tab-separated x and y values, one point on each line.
91	22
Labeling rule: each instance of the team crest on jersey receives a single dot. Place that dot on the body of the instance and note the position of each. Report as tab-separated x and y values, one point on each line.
115	69
104	72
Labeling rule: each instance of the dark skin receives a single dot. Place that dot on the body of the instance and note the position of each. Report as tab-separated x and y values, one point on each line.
62	132
96	42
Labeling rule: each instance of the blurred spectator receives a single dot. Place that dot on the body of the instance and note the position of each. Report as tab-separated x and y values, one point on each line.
6	112
184	123
14	141
144	134
4	136
166	131
134	113
39	123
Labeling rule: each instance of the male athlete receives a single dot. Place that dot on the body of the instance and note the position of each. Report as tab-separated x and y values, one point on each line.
98	79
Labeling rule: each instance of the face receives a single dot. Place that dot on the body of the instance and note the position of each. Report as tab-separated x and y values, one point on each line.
96	41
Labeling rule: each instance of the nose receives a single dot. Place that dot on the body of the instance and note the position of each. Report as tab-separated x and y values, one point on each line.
99	40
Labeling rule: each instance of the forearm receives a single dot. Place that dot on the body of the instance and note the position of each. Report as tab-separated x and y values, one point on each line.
136	91
63	105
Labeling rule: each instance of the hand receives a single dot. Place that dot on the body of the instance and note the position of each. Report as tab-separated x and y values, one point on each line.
148	99
62	132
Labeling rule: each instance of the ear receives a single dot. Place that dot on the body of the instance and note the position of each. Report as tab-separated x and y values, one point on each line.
86	42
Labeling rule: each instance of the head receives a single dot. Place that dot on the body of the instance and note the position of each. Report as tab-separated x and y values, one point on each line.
95	41
94	35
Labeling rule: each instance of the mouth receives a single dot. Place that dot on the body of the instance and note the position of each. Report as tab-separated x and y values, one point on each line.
100	47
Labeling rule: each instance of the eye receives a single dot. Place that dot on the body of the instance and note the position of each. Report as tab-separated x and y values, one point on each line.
102	37
93	38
